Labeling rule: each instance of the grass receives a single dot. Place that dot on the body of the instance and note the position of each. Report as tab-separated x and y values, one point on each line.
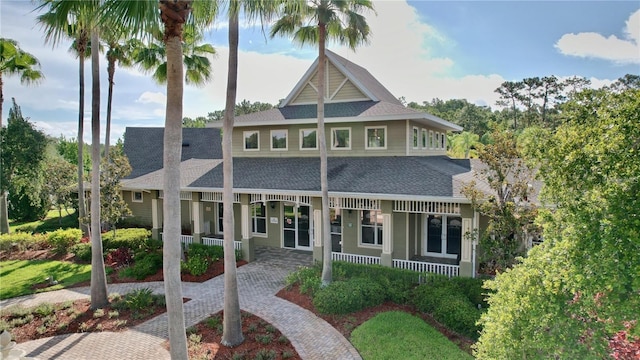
51	222
18	276
399	335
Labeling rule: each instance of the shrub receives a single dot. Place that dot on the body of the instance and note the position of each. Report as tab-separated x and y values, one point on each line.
138	300
82	251
62	240
472	289
144	266
307	277
134	239
119	258
196	265
22	241
342	297
397	283
459	315
212	252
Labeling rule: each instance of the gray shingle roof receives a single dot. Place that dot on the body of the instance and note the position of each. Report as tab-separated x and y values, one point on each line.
364	77
144	146
331	110
420	176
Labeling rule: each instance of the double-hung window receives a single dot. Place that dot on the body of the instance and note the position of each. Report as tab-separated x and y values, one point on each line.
308	139
425	139
415	137
258	219
371	227
341	138
279	139
136	196
375	137
252	140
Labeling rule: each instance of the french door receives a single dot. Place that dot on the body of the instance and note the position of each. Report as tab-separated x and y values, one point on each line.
296	229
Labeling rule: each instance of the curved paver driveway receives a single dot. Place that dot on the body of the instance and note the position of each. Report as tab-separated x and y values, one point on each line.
258	282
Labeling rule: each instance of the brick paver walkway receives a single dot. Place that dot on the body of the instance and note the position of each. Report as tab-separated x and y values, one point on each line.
258	282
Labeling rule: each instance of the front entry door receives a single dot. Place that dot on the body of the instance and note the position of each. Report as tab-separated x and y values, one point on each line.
296	227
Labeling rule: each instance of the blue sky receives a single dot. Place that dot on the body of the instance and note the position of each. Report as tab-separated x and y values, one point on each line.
419	49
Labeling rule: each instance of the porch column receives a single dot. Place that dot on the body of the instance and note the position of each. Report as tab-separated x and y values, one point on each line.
248	247
386	258
198	224
156	227
317	230
466	263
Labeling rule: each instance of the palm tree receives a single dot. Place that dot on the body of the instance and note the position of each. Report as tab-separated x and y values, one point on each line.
55	21
56	26
232	326
464	144
315	22
140	17
14	60
118	51
152	57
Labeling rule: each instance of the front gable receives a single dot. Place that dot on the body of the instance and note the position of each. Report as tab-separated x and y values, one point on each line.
340	87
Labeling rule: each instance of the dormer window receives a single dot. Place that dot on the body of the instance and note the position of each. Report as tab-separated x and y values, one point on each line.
252	140
376	137
279	139
341	138
308	139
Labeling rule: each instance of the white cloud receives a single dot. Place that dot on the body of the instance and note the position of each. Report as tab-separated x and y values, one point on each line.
148	97
612	48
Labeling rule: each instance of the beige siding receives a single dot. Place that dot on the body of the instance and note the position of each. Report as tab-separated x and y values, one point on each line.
335	79
420	150
307	95
395	139
141	210
349	92
399	235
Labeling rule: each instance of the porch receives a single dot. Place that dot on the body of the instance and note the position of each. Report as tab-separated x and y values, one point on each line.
289	257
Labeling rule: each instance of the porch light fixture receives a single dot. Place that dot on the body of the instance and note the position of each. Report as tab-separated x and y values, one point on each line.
272	205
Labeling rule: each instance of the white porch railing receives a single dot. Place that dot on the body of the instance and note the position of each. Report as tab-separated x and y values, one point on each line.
237	245
356	259
420	266
188	240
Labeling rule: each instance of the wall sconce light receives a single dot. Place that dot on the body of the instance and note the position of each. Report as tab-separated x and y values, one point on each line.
350	211
272	205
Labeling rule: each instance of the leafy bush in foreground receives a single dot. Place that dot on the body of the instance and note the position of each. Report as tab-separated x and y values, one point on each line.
63	240
342	297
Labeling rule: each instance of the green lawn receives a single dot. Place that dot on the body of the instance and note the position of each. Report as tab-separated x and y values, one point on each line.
51	222
18	276
398	335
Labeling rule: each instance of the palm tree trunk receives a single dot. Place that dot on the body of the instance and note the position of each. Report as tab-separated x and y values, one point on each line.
82	214
171	203
111	70
232	324
324	182
99	296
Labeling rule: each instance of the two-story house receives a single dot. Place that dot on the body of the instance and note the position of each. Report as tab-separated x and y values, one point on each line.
394	194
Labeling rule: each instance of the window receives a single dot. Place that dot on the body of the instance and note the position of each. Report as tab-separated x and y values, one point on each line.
432	143
279	139
136	196
415	137
443	235
252	140
220	218
443	141
376	137
371	227
437	144
341	138
258	219
308	139
425	139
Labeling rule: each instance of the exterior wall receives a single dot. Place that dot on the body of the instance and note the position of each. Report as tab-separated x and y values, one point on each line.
209	216
395	139
422	150
141	210
414	245
274	231
400	226
351	236
237	223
